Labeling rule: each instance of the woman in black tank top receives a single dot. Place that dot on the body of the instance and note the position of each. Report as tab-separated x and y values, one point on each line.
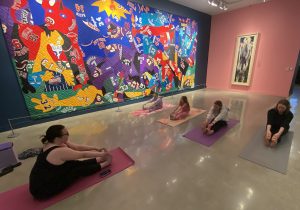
57	166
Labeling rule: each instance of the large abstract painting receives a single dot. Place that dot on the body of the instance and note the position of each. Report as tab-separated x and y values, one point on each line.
78	54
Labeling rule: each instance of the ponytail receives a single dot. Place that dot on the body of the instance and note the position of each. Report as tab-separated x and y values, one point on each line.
52	132
43	139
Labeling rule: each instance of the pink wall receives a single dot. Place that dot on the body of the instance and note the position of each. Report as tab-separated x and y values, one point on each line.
278	25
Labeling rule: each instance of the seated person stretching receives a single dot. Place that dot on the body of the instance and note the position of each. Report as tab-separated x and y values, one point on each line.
58	165
154	103
182	110
216	118
278	122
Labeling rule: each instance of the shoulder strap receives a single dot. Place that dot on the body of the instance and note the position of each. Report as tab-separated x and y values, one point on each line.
50	149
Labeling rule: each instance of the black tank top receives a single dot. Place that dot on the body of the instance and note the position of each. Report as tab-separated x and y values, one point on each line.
45	174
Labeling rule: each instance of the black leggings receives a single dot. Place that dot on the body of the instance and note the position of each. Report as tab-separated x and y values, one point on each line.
73	171
218	125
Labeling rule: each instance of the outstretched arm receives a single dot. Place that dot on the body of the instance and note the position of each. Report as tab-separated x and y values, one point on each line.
222	115
82	147
268	132
62	154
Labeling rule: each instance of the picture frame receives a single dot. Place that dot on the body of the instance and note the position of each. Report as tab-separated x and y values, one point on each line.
243	60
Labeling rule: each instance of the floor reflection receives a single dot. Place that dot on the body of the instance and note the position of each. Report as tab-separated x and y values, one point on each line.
171	172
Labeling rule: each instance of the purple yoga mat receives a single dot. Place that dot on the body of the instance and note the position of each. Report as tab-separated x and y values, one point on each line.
20	198
197	135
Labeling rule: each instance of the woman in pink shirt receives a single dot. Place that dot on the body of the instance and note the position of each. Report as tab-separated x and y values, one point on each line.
182	110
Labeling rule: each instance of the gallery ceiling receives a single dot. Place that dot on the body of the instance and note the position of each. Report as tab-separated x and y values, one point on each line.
203	6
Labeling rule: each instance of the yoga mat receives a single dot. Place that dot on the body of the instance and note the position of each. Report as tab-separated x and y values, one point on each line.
275	158
20	197
141	112
197	135
193	113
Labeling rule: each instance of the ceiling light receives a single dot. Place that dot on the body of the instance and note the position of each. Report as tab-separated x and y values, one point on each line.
221	5
218	3
214	3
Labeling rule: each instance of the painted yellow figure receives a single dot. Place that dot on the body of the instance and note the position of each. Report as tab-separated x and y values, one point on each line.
83	97
138	93
56	41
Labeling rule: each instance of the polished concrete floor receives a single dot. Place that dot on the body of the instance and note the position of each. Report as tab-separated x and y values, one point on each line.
171	172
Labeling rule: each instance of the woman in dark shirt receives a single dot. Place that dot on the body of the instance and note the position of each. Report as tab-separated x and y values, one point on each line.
58	165
278	122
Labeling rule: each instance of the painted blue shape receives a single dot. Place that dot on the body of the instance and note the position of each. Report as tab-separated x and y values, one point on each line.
35	79
37	12
153	19
146	44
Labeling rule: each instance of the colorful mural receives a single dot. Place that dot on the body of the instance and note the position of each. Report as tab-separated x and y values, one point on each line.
78	54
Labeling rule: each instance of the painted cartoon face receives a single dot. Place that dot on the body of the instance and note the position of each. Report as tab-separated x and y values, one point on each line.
59	17
126	62
98	98
97	72
113	31
149	61
57	49
111	48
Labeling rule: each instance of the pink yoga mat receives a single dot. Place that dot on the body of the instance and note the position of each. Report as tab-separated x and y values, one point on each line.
141	112
197	135
20	199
